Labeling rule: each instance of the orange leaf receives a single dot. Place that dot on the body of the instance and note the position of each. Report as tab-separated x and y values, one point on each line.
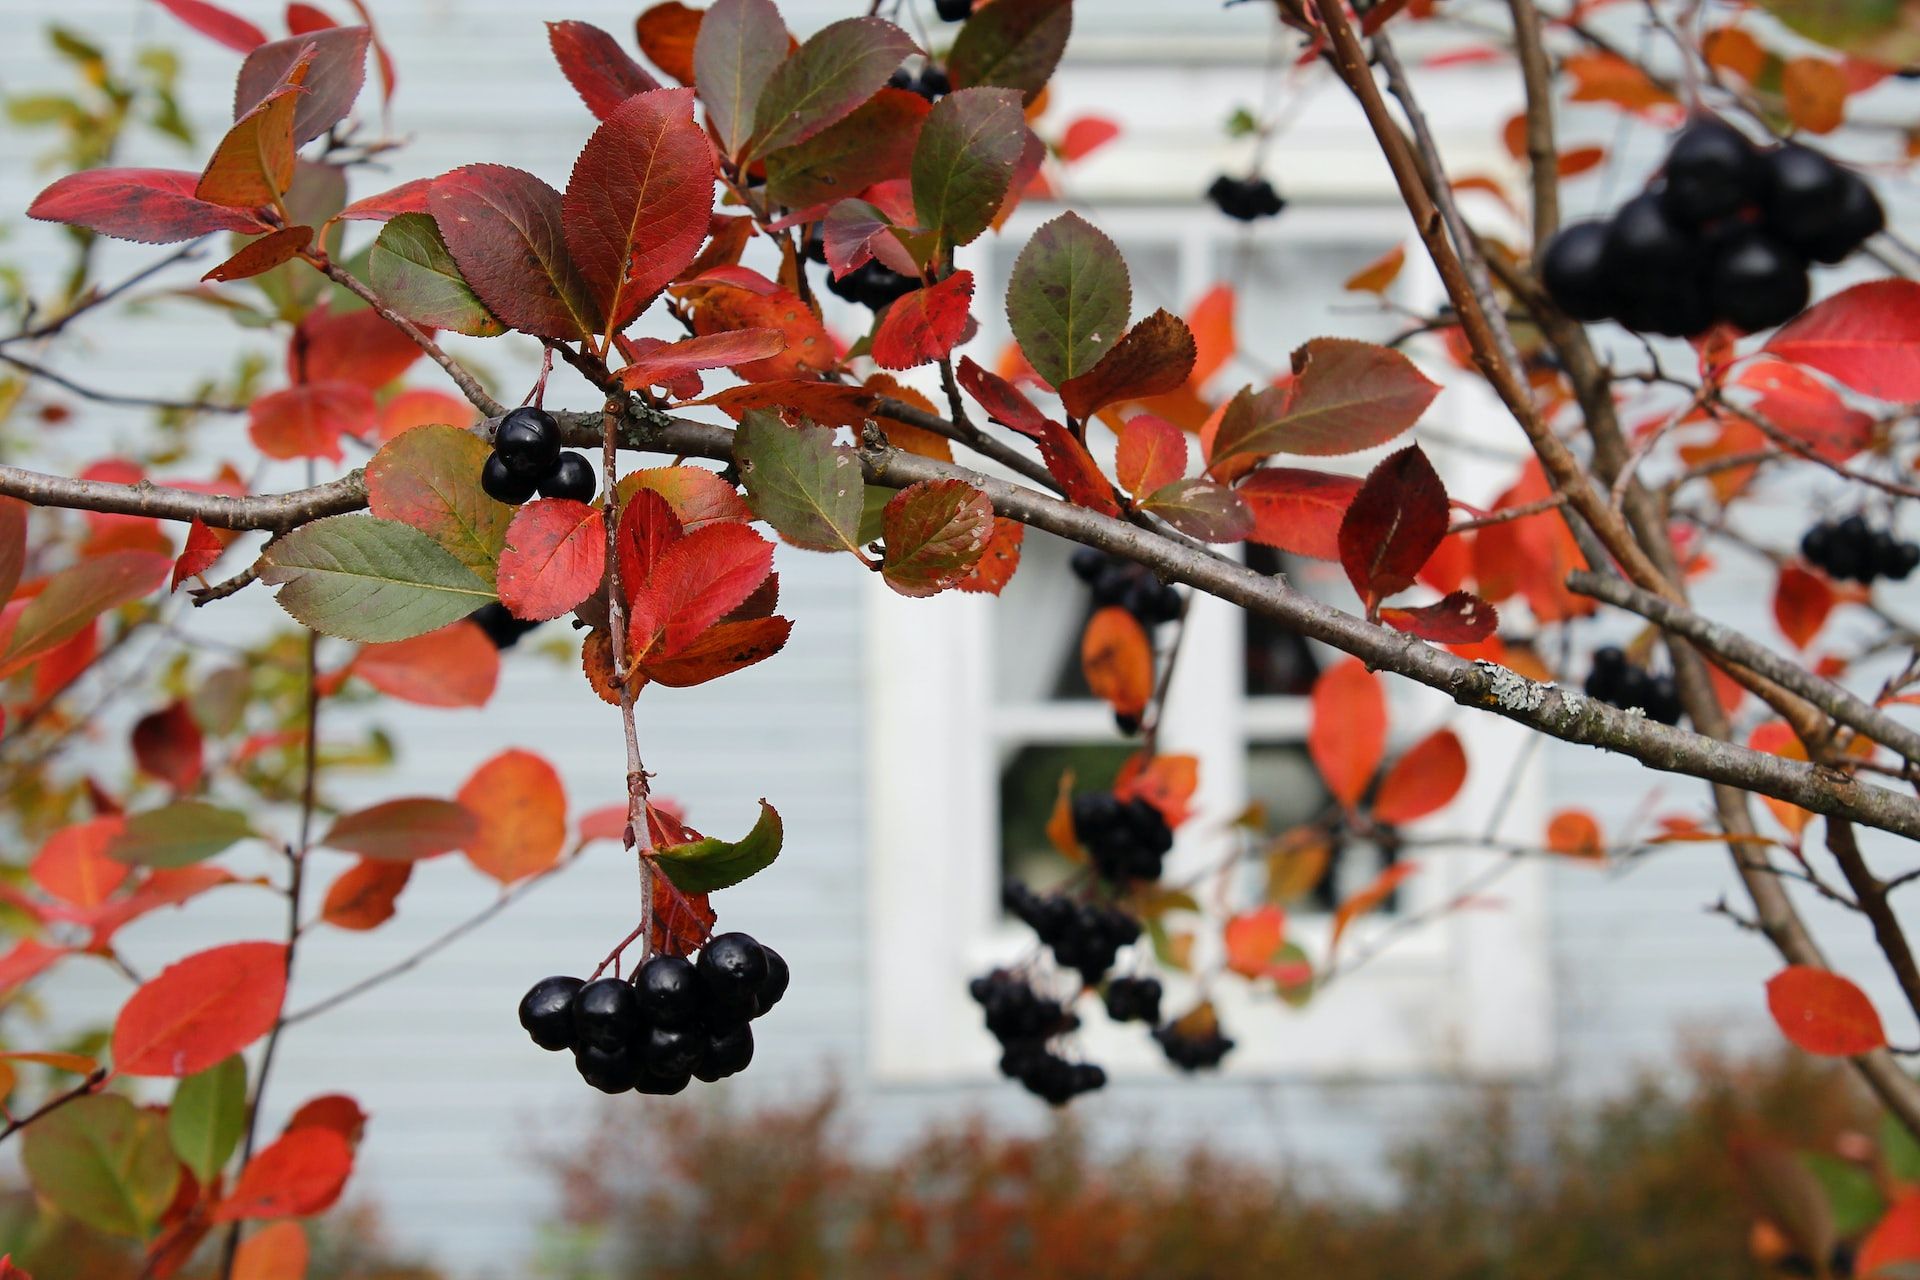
1822	1012
722	308
1816	93
73	865
1896	1239
456	666
201	1009
202	550
556	553
1776	738
1607	77
1801	603
333	1111
278	1251
1165	782
1118	660
522	809
925	325
1575	833
1214	343
998	561
1254	939
1426	778
1085	135
1349	732
419	408
301	1173
1368	898
1152	454
1377	275
363	897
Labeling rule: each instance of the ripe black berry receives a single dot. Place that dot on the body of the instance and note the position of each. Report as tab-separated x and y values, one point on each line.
608	1068
662	1084
1245	199
732	968
1856	216
606	1014
778	975
1712	172
672	1051
669	991
953	10
1851	551
1643	248
1758	282
1134	1000
546	1011
872	285
501	626
1804	188
726	1054
572	477
502	485
1192	1052
528	442
934	83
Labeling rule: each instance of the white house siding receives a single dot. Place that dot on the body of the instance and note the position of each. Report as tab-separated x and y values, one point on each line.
456	1094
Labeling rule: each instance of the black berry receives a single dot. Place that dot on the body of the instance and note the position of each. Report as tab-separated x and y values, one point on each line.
546	1011
662	1084
501	626
672	1051
1804	188
572	477
608	1068
953	10
502	485
732	968
934	83
778	975
528	442
1758	282
1644	249
1712	172
872	285
606	1014
726	1054
669	991
1856	216
1134	1000
1245	199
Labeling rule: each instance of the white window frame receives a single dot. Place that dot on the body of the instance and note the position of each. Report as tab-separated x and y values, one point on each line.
1466	994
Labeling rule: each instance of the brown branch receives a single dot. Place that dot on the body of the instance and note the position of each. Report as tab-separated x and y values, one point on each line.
1871	893
115	398
271	511
1543	156
91	1084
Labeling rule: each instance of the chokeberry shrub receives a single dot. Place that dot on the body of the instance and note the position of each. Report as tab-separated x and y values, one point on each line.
764	277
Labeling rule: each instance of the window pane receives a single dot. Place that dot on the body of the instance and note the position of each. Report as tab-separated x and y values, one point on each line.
1037	624
1293	290
1279	662
1029	784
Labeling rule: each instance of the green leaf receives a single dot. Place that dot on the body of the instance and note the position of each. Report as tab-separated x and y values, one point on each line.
873	513
372	580
798	480
429	477
1344	396
1068	298
965	159
411	268
709	864
1296	994
840	67
1012	44
1885	31
740	45
1900	1149
74	597
209	1112
1202	509
935	532
178	834
104	1162
1852	1197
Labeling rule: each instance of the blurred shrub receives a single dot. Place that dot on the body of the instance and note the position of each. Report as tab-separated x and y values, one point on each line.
1654	1184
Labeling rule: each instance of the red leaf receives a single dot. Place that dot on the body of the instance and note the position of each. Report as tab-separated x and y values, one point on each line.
596	66
1254	939
522	810
302	1173
999	561
925	325
1344	396
417	407
690	583
1807	409
1153	358
202	1009
1392	525
661	363
681	921
304	18
278	1251
1368	898
1801	603
809	352
720	650
308	421
28	959
666	33
217	24
1426	778
73	864
260	256
1298	511
1067	459
456	666
408	197
1086	135
556	553
1822	1012
1866	338
1895	1240
1459	618
503	228
1165	782
1349	731
1001	399
199	555
831	404
936	532
1152	454
1575	833
151	206
364	895
167	745
358	347
638	202
253	164
697	496
168	888
335	1112
1117	657
339	68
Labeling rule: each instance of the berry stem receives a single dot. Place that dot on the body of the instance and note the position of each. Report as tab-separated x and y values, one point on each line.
638	835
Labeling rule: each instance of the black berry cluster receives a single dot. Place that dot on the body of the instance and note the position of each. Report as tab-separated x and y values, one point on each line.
501	626
527	459
932	83
1134	1000
1850	551
1245	199
1084	936
1127	840
1023	1020
1725	234
872	285
676	1020
1131	586
953	10
1191	1050
1620	683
